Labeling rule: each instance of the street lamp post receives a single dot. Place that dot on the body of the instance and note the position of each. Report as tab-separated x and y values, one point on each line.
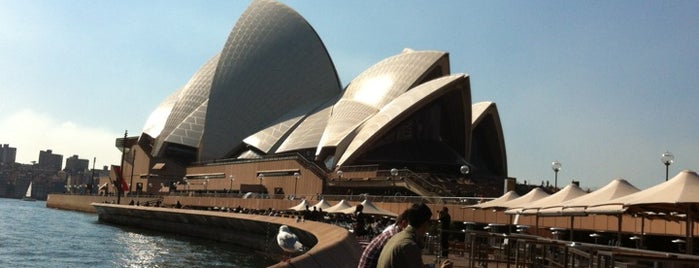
230	190
556	166
667	158
296	182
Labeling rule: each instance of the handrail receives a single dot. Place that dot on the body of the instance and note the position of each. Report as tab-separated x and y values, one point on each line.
484	248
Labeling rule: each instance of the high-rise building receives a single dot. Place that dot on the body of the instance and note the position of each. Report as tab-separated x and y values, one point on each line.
50	161
74	164
78	170
7	154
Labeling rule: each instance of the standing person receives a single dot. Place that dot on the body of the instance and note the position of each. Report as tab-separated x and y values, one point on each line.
444	221
306	214
372	251
359	221
315	215
404	250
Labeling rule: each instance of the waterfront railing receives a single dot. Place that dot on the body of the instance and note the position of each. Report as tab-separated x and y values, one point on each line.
487	249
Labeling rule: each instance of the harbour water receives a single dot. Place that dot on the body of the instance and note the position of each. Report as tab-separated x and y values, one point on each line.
32	235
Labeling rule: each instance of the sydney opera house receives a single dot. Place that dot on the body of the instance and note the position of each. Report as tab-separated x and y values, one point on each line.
268	114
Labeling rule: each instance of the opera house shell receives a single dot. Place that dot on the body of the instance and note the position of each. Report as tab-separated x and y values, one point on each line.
273	90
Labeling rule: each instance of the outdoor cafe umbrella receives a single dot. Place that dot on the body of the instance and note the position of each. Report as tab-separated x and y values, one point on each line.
369	209
340	206
322	204
301	206
676	195
576	207
533	195
569	192
497	202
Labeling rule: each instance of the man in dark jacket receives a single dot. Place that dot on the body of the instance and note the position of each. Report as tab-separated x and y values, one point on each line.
444	221
404	250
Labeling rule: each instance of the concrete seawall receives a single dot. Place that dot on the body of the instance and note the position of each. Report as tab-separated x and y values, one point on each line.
83	203
330	245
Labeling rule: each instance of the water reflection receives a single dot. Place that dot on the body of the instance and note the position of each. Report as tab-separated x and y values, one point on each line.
35	236
151	249
140	249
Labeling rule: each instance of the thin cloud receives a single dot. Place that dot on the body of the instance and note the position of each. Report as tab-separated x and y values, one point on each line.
31	132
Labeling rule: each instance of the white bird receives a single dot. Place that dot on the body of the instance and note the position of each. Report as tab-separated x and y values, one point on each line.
288	240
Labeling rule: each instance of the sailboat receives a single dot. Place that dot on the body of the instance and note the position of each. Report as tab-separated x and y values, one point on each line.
28	195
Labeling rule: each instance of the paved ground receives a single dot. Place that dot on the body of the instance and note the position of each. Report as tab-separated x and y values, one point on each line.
459	261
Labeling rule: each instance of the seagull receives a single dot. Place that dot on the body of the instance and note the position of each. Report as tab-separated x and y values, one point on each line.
288	240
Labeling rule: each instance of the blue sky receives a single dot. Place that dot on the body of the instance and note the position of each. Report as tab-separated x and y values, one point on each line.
605	87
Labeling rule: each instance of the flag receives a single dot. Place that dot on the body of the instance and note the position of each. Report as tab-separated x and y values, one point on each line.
120	179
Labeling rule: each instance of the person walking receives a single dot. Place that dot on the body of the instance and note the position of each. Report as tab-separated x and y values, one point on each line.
404	250
371	253
444	222
359	221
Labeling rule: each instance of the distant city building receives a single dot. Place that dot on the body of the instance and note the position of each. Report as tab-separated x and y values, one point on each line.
50	161
7	154
78	170
75	164
46	176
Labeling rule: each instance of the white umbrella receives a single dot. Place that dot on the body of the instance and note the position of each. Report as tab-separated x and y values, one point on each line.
614	189
301	206
678	194
569	192
342	205
533	195
322	204
370	209
497	202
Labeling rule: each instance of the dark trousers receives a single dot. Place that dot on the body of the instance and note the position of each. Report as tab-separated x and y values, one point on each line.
445	244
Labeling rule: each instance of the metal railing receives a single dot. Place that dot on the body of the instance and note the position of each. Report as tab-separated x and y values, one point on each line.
488	249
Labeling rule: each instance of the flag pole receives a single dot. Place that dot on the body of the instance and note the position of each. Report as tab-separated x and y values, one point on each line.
121	169
92	178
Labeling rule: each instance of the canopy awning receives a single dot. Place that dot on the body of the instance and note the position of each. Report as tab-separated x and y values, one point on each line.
340	206
497	202
322	204
575	207
569	192
301	206
370	209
